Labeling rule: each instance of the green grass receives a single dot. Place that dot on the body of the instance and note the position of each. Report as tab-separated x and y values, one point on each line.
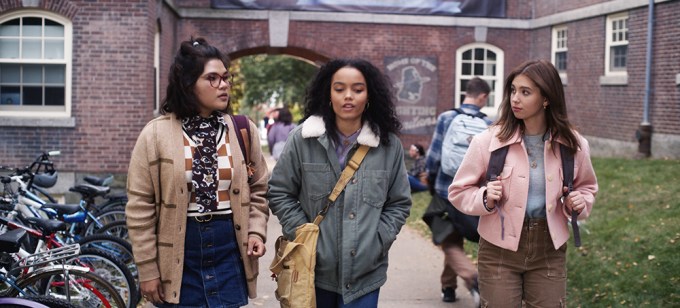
630	255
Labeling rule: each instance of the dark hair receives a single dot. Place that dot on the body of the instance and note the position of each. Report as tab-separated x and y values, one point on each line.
547	79
188	65
285	116
477	86
380	112
421	149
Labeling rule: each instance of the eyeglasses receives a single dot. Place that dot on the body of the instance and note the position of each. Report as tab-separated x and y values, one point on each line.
215	79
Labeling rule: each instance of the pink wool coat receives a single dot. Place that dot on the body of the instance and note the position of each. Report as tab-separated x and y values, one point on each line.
158	199
469	185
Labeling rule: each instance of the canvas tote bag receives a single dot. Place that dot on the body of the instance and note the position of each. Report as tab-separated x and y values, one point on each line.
294	262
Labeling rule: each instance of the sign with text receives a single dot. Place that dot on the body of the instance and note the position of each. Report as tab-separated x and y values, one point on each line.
468	8
415	83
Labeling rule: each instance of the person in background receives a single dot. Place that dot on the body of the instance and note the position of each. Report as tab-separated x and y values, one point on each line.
196	220
278	133
349	103
456	262
524	216
417	176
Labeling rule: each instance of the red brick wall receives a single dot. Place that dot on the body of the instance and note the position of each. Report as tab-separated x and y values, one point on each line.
111	90
549	7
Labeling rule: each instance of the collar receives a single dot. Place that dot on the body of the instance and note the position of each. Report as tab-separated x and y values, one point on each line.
314	126
496	144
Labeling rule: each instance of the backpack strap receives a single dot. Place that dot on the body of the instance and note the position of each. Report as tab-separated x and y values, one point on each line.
242	128
479	114
568	175
496	162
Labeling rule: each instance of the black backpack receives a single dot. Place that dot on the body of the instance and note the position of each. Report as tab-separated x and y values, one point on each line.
495	168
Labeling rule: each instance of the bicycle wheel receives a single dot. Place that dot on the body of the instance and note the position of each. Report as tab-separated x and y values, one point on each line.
103	218
112	203
35	301
118	247
80	287
112	270
117	228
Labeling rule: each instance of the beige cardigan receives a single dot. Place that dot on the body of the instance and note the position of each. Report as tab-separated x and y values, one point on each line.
158	200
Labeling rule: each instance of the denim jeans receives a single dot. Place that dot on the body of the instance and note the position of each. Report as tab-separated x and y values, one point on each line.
213	274
536	273
328	299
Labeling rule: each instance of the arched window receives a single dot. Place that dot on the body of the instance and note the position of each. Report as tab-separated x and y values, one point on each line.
35	65
484	61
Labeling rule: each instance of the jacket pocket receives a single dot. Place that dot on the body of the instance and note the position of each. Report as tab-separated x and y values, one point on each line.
374	187
506	181
316	179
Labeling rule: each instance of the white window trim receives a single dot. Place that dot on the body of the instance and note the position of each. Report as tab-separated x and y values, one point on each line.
556	49
67	61
500	64
157	66
609	44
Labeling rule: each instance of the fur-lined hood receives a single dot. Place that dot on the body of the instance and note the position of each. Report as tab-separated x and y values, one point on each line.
314	126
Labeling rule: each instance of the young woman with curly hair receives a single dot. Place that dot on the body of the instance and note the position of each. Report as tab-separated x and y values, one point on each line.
349	103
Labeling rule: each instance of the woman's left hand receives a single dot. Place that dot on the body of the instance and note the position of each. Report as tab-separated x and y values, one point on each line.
574	201
256	248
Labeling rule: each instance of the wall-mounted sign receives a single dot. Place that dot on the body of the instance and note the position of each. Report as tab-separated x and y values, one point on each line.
415	82
472	8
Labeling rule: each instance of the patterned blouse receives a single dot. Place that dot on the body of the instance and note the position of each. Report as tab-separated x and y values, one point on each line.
224	174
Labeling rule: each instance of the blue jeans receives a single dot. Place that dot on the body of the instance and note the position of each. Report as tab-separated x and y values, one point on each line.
331	299
213	274
416	184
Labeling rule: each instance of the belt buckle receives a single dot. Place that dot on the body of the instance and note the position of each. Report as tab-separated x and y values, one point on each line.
209	218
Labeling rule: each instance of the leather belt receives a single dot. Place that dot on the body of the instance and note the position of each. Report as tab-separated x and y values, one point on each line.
210	217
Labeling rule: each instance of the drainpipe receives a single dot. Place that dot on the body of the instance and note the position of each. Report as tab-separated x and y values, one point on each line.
644	132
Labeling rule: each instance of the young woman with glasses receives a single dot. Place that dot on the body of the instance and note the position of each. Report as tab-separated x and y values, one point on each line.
196	221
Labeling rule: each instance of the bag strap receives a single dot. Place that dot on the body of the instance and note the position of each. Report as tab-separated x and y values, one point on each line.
242	128
568	175
346	175
496	162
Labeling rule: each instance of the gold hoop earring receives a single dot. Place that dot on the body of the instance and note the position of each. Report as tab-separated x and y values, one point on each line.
545	107
367	104
330	103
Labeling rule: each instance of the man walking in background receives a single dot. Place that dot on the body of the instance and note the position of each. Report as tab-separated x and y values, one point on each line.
456	263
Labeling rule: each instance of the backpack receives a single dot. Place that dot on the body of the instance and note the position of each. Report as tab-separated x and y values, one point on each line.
242	127
496	162
457	139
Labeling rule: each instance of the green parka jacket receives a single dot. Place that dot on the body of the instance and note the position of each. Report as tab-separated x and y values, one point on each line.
355	236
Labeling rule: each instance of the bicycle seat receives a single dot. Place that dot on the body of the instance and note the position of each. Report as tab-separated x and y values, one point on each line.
106	181
89	190
47	226
63	209
9	241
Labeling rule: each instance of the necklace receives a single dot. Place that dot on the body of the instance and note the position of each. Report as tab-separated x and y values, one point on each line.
534	146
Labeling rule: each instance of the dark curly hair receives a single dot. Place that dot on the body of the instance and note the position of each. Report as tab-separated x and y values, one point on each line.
380	114
188	65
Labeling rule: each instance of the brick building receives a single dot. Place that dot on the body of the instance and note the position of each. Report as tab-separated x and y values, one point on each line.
85	76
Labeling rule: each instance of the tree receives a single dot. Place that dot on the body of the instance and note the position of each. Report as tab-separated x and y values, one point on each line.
278	79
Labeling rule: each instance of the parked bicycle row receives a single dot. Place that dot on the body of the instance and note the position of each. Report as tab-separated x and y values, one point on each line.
83	246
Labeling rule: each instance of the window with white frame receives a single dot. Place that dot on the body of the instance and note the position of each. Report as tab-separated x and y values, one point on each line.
559	48
35	65
486	62
616	52
156	69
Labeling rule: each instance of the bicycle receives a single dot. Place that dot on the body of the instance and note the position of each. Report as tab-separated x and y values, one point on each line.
40	274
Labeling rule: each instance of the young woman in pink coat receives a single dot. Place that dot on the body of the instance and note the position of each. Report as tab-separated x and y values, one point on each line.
524	219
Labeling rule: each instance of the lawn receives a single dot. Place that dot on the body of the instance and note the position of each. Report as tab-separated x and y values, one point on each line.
630	255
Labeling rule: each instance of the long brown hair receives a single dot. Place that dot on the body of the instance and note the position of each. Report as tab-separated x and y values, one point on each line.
547	79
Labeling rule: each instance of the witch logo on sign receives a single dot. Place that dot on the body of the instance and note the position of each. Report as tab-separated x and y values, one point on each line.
411	85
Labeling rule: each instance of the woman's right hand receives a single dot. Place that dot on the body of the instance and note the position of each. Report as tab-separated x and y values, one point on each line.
152	291
494	192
